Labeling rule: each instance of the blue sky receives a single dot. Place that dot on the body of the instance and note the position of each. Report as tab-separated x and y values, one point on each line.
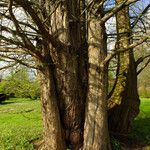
143	3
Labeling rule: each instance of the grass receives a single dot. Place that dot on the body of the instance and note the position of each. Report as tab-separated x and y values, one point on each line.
141	129
20	123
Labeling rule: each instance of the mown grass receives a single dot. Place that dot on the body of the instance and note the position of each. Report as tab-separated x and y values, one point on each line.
141	128
20	123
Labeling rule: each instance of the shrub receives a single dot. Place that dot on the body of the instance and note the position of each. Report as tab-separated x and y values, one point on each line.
20	84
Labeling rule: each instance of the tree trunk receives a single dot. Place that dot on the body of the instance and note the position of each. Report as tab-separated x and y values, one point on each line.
96	135
53	134
71	99
71	67
121	116
124	102
70	77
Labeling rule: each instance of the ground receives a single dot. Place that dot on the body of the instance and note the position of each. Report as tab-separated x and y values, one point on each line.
139	139
20	123
21	126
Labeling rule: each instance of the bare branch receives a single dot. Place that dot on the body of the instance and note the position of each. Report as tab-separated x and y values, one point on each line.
25	39
12	41
114	52
54	41
116	9
8	66
143	67
21	23
141	59
140	15
19	61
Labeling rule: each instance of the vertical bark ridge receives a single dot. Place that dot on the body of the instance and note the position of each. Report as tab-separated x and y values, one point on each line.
70	67
95	129
53	134
124	102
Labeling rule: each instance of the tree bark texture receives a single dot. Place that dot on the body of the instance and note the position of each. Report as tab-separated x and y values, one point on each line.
96	135
70	68
53	133
124	102
70	77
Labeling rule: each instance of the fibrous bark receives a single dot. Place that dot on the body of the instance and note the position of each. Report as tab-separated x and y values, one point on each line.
53	133
70	69
124	101
96	135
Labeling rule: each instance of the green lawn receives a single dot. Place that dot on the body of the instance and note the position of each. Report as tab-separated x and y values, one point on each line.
20	123
141	128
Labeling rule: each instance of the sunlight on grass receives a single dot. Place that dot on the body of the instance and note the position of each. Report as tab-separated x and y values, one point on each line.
141	128
20	123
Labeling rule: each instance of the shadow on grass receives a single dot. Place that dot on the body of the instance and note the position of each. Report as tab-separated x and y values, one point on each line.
7	102
141	130
17	100
138	139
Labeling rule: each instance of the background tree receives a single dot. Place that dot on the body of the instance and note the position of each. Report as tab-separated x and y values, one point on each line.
144	83
20	83
124	99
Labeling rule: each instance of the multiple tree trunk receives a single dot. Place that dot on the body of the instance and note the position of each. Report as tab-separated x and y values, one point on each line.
69	73
74	81
70	85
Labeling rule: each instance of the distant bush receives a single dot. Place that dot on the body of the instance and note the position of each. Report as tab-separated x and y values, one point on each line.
144	92
20	84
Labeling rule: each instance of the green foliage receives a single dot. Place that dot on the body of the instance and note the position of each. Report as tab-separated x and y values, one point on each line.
20	84
144	83
20	123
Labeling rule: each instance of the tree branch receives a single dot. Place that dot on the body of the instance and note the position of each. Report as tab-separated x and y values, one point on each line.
116	9
143	67
25	39
8	66
45	34
21	23
12	41
114	52
18	61
141	59
140	15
